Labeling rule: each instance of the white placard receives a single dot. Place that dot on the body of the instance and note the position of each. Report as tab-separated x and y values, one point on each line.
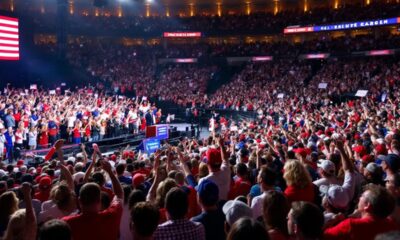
322	85
280	95
63	84
52	92
33	87
361	93
144	98
383	97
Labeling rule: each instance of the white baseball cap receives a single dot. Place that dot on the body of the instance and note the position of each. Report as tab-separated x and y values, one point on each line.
336	196
327	165
234	210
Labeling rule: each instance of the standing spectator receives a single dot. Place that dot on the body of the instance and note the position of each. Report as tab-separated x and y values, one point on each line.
298	180
9	136
55	229
211	217
32	136
9	119
275	210
305	221
106	223
266	179
375	205
22	223
177	227
8	206
220	172
2	143
145	217
247	228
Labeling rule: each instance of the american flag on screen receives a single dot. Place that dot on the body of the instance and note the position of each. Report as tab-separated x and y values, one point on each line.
9	38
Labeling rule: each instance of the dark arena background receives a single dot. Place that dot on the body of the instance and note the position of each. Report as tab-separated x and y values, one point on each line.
200	119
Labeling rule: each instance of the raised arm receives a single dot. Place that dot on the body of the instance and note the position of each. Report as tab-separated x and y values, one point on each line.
67	176
85	158
114	180
151	196
346	163
30	220
91	166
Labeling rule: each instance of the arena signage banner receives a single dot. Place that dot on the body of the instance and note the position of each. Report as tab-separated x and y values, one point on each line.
182	34
315	56
342	26
177	60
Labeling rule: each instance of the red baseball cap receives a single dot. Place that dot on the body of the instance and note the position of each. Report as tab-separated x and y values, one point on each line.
381	149
361	150
301	151
138	179
20	163
213	157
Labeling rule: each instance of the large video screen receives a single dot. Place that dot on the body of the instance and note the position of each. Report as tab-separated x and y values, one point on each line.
9	38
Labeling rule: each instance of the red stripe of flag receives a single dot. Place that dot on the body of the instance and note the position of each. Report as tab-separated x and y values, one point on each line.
9	58
8	32
9	51
8	45
9	26
10	39
9	18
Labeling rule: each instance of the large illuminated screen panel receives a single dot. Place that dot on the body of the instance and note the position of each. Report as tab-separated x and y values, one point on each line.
343	26
9	38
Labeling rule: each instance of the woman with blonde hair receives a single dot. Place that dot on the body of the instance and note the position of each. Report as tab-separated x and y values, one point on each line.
298	181
62	199
8	206
22	224
62	203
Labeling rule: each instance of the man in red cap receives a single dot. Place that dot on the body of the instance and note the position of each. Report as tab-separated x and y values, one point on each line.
219	170
44	189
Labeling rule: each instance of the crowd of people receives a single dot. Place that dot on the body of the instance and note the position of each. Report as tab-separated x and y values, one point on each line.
297	172
315	163
36	119
255	23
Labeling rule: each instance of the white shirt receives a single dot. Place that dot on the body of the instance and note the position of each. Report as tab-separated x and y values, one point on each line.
221	179
257	205
326	181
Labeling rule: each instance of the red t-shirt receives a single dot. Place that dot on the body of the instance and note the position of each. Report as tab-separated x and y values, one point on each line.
109	192
241	187
42	196
360	228
102	225
300	194
77	133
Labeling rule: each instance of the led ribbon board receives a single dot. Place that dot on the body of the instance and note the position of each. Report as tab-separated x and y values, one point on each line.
343	26
182	34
